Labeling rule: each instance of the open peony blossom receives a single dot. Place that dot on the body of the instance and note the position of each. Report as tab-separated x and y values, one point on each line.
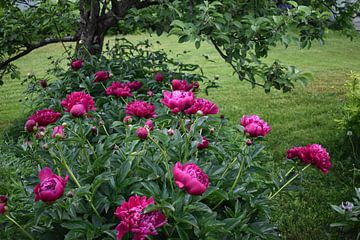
41	118
58	132
314	154
119	89
202	106
181	85
178	101
159	77
204	143
134	85
77	64
254	126
142	132
101	76
51	186
136	222
190	177
141	109
76	98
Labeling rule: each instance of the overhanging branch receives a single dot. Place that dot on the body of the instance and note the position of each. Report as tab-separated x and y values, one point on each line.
33	46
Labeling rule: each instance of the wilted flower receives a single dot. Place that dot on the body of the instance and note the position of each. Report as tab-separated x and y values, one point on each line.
58	132
347	206
51	186
140	108
142	132
119	89
204	143
76	98
254	126
159	77
76	64
101	76
314	154
134	220
178	101
205	106
190	177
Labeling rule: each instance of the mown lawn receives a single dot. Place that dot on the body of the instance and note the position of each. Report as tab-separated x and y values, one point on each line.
305	115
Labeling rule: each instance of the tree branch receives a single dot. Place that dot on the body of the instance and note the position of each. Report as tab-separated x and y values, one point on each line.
36	45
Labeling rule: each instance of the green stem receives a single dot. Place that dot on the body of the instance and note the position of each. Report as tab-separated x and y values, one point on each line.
291	169
238	175
166	160
288	182
19	226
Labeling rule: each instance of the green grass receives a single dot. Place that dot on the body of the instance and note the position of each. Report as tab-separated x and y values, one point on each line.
305	115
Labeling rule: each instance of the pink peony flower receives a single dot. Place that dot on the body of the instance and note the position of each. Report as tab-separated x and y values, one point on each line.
149	125
101	76
142	132
58	132
77	64
43	83
134	85
78	110
133	220
178	101
204	143
254	126
140	108
314	154
42	118
119	89
159	77
51	186
190	177
181	85
75	98
202	106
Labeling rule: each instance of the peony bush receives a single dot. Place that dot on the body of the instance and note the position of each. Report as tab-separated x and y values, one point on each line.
122	148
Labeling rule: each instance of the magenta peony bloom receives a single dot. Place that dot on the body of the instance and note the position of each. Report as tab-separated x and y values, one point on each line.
190	177
203	107
254	126
75	98
43	83
149	125
41	118
181	85
119	89
58	132
101	76
77	64
159	77
133	220
314	154
51	186
78	110
140	108
142	132
204	143
134	85
178	101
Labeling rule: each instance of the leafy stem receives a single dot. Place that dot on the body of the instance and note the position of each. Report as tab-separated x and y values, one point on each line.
19	226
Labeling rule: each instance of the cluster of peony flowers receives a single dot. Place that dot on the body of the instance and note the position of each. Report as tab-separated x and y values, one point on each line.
78	103
119	89
314	154
3	201
140	109
51	186
254	126
41	118
135	221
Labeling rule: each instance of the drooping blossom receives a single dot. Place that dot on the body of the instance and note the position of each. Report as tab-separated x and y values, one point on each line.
76	98
181	85
101	76
142	132
204	143
178	101
119	89
141	109
134	85
149	124
202	106
159	77
314	154
76	64
51	186
254	126
135	221
43	83
41	118
190	177
58	132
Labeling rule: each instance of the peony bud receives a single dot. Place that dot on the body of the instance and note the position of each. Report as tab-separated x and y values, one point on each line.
142	133
149	125
43	83
78	110
170	132
70	194
150	93
249	142
94	129
127	119
45	146
159	77
212	130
